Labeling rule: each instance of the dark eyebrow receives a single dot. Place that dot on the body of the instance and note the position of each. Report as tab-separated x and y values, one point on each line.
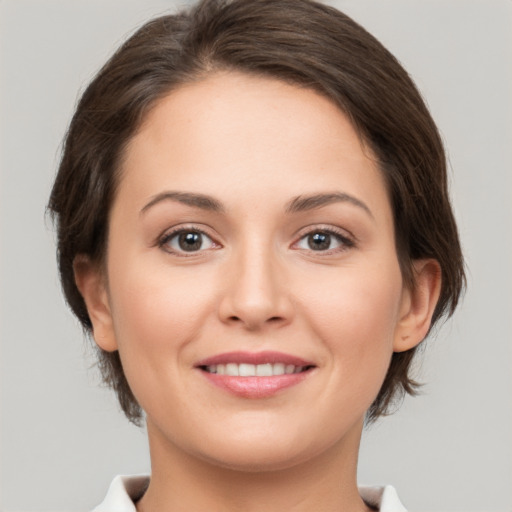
201	201
297	204
304	203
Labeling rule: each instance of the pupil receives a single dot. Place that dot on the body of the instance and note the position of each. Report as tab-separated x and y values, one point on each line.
319	241
190	241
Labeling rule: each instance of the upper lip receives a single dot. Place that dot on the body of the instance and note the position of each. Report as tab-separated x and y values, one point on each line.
256	358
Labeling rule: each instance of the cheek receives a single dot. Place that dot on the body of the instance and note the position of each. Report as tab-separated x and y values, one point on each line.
356	314
157	315
155	307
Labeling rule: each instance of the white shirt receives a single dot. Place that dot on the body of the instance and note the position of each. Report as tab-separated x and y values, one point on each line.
124	490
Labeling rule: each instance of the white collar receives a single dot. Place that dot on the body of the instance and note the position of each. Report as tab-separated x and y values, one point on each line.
125	489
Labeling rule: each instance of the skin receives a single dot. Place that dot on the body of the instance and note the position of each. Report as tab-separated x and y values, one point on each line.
254	145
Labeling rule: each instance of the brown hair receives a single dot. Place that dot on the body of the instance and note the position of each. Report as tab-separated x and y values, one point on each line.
298	41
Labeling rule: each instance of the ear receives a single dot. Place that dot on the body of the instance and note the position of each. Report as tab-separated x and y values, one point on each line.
418	305
91	282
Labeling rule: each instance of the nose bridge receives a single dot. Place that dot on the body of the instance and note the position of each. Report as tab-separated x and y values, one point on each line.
255	293
257	282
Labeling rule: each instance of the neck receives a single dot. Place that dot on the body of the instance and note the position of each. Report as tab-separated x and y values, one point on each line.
181	482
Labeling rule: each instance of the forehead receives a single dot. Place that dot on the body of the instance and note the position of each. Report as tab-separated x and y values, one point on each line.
249	105
235	131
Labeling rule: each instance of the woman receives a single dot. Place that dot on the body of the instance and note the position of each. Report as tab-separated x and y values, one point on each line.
254	225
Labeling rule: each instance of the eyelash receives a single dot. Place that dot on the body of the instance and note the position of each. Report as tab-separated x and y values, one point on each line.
167	237
346	242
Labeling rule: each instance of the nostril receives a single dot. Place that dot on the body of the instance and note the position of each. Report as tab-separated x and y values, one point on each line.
252	324
255	314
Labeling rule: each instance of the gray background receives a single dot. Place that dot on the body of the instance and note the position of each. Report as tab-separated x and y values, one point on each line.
63	438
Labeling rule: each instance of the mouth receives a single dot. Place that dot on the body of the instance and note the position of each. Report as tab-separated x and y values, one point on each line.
254	370
255	375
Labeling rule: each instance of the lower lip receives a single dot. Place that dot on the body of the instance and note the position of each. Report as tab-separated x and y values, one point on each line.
256	387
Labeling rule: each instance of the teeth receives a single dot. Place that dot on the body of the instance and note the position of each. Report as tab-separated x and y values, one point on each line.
264	370
278	369
232	370
246	370
254	370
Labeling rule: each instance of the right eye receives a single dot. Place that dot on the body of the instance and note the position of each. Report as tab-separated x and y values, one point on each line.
184	241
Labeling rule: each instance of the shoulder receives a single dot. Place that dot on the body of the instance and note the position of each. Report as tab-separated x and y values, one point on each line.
123	492
383	499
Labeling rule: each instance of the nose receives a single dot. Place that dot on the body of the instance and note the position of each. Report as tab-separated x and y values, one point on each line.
255	292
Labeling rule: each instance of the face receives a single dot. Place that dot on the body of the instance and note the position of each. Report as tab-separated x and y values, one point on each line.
253	288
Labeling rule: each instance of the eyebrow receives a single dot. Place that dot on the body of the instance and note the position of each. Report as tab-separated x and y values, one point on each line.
312	202
297	204
201	201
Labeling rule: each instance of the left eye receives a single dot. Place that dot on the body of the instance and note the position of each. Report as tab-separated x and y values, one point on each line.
323	241
187	241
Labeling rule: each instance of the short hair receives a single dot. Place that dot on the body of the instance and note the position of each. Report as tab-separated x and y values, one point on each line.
300	42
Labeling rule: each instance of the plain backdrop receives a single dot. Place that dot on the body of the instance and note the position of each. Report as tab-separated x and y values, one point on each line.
63	437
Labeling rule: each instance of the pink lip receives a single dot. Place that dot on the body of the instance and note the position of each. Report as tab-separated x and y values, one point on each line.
255	387
254	358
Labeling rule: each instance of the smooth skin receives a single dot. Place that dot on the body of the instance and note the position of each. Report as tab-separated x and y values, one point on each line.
265	271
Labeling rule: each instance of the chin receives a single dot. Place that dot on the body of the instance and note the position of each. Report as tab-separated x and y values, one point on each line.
265	450
256	458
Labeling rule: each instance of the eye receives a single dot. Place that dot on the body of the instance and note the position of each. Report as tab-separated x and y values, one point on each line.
323	240
186	241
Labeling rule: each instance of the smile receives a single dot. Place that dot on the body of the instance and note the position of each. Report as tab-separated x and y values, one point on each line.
255	375
254	370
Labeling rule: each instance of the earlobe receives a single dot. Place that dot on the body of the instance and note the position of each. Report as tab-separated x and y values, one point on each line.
418	305
90	281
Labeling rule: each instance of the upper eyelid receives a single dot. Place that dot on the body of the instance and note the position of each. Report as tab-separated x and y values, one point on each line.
169	232
341	232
